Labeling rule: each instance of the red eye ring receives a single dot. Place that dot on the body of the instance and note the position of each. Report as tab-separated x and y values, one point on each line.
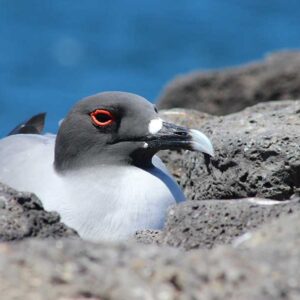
106	116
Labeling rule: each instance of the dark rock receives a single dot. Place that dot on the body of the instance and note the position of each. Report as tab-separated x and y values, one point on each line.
266	266
230	90
257	154
22	216
205	224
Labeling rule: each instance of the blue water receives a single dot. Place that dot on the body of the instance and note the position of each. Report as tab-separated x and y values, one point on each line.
52	53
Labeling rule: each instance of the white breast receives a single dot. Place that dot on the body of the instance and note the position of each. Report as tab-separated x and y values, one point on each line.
100	203
113	203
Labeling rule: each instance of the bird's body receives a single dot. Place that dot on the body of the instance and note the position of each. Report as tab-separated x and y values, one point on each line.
100	172
110	202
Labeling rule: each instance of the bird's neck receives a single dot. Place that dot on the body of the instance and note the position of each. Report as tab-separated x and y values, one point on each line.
65	162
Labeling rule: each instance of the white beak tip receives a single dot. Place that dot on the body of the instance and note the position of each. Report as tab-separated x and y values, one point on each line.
201	143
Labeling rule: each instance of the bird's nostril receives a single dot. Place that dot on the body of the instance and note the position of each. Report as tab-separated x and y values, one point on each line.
181	133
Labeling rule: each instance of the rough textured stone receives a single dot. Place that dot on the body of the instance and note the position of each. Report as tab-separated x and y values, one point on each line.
148	236
230	90
22	216
205	224
265	266
257	154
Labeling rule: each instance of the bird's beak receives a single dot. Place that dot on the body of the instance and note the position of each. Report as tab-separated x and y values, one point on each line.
174	137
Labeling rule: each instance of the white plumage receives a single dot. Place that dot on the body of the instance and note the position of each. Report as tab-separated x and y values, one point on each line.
107	203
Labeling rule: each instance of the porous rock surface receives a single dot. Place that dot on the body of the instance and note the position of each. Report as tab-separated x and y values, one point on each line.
264	266
226	91
257	154
22	216
148	236
205	224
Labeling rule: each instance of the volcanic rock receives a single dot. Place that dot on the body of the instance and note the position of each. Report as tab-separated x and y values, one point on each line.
205	224
226	91
257	154
265	265
22	216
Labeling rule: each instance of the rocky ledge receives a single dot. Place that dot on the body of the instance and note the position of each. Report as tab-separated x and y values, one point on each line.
226	91
208	223
261	265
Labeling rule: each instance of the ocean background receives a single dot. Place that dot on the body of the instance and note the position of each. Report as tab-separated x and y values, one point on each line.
53	53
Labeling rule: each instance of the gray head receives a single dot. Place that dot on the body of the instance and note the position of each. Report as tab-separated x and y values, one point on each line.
118	128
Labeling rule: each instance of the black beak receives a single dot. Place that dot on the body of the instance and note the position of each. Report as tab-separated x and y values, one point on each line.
174	137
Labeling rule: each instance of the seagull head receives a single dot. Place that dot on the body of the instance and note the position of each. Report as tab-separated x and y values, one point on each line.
119	128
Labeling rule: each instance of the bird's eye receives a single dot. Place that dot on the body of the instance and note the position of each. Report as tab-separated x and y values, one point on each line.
102	117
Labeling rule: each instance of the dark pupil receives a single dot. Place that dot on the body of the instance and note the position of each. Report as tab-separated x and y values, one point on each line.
102	118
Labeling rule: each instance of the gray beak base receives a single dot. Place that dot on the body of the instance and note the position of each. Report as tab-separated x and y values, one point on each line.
175	137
